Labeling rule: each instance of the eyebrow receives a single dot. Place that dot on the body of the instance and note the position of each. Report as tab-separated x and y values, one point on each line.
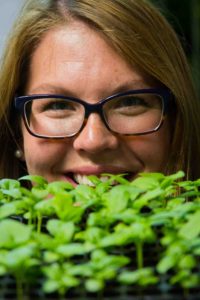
131	85
49	88
123	87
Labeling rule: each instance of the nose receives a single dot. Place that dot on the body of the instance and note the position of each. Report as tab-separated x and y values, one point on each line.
95	137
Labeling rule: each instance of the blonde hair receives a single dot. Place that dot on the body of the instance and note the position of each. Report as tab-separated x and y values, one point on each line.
139	33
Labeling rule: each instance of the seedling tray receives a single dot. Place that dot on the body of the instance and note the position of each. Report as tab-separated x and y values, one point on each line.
100	244
112	292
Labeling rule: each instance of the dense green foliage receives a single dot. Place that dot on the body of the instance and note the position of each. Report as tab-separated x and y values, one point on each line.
94	225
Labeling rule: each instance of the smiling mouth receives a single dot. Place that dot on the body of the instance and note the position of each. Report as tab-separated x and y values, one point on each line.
76	178
83	179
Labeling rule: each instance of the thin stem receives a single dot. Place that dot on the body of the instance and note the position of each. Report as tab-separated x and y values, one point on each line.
30	218
19	288
186	292
139	254
39	223
61	293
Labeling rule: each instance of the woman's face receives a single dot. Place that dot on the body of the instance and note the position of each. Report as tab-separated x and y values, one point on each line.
76	61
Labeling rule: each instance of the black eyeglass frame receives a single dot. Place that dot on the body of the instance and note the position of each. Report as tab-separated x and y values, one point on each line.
164	93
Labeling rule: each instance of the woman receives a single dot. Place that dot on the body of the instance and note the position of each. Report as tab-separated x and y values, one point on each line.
101	87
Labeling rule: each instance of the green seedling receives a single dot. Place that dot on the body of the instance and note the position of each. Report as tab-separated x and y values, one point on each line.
90	236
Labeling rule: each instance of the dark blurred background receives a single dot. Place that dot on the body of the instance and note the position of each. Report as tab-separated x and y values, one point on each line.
184	16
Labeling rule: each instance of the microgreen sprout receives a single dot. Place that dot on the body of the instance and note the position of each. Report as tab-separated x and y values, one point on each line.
90	236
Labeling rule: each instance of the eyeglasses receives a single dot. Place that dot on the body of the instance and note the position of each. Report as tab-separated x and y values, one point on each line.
135	112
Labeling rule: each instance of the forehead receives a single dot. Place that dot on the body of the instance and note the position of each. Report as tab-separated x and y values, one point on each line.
77	53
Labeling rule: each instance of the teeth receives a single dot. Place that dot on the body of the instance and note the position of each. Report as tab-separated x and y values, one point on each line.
83	179
103	178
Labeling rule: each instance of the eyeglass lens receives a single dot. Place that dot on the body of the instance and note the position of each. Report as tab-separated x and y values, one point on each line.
129	114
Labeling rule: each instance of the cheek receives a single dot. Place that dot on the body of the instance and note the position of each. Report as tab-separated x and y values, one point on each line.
42	155
37	156
152	150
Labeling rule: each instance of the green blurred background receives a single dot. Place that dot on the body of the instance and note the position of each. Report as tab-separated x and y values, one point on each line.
184	16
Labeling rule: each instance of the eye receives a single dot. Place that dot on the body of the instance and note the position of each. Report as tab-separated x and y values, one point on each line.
133	105
53	107
59	105
131	101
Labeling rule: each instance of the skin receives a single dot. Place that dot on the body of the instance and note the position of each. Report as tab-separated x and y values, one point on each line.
75	60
